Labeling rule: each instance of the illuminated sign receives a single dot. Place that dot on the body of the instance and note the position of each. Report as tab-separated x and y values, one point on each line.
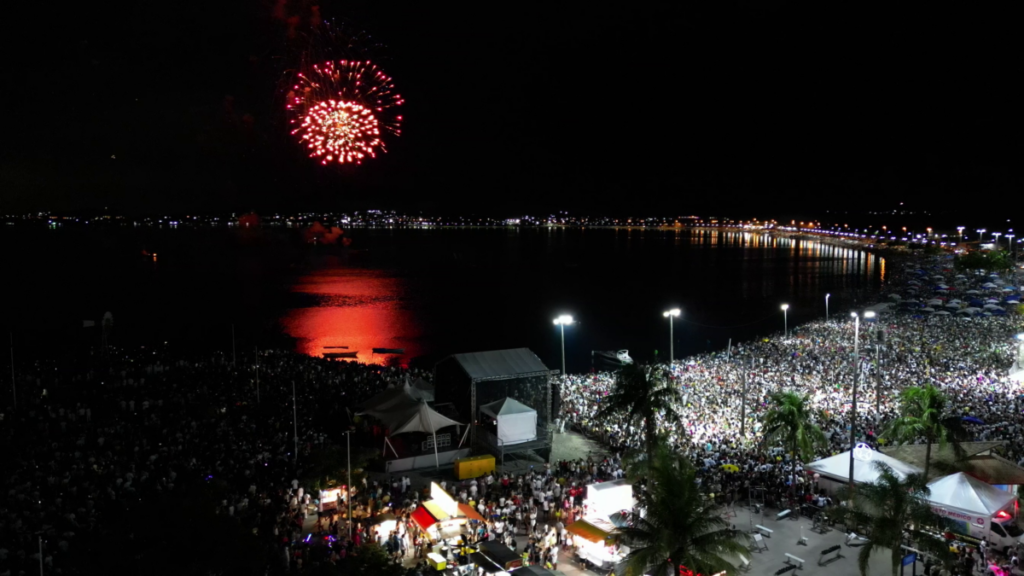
443	500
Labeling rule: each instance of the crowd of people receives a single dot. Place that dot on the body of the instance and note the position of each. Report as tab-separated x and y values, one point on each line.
105	456
968	358
134	450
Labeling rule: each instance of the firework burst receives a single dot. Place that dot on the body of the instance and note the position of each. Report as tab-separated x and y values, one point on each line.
340	110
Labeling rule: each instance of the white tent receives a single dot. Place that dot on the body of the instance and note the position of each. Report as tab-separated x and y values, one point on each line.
395	399
967	493
517	422
422	418
426	389
864	471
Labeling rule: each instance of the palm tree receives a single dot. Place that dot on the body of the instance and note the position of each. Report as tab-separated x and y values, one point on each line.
788	422
924	413
893	508
679	528
640	394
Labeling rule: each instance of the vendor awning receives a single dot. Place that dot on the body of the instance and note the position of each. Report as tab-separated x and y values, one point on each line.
381	518
588	531
436	511
422	517
468	511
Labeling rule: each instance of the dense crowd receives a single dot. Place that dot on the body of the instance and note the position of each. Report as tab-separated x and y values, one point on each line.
968	358
143	453
97	458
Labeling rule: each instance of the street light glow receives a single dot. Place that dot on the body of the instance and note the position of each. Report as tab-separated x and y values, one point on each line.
785	307
563	320
673	312
869	314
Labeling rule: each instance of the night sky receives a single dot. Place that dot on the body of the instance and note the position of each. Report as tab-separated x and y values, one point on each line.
634	107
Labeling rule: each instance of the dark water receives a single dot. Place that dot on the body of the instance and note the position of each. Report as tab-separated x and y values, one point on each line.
431	292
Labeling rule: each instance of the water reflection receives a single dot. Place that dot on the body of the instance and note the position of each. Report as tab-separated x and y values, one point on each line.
360	309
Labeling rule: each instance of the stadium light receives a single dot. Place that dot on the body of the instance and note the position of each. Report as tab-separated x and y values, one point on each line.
563	321
670	314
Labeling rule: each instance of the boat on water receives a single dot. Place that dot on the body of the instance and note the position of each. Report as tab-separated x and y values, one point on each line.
334	355
389	350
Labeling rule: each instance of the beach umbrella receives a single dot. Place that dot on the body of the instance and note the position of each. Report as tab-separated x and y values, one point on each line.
928	309
952	305
942	313
973	420
972	292
992	307
934	301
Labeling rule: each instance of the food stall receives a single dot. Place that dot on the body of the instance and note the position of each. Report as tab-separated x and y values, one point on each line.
606	498
595	542
606	505
384	524
331	499
442	518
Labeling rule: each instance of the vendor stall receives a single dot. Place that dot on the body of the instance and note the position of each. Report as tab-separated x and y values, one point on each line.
384	525
607	498
442	517
331	499
595	542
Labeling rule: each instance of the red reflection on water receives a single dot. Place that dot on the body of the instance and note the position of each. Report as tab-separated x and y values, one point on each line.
361	309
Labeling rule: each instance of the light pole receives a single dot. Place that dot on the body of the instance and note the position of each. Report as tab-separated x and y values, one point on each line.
826	306
673	313
295	422
997	235
981	232
785	320
960	232
563	321
348	496
856	372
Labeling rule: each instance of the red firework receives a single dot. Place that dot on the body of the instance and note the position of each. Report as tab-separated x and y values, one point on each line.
340	109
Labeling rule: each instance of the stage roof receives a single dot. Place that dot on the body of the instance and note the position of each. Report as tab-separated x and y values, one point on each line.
497	364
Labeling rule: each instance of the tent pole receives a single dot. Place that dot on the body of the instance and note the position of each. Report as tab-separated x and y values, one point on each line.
437	462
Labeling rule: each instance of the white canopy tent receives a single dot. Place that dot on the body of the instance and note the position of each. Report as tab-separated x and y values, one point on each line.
424	388
968	493
422	418
837	468
392	400
517	422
